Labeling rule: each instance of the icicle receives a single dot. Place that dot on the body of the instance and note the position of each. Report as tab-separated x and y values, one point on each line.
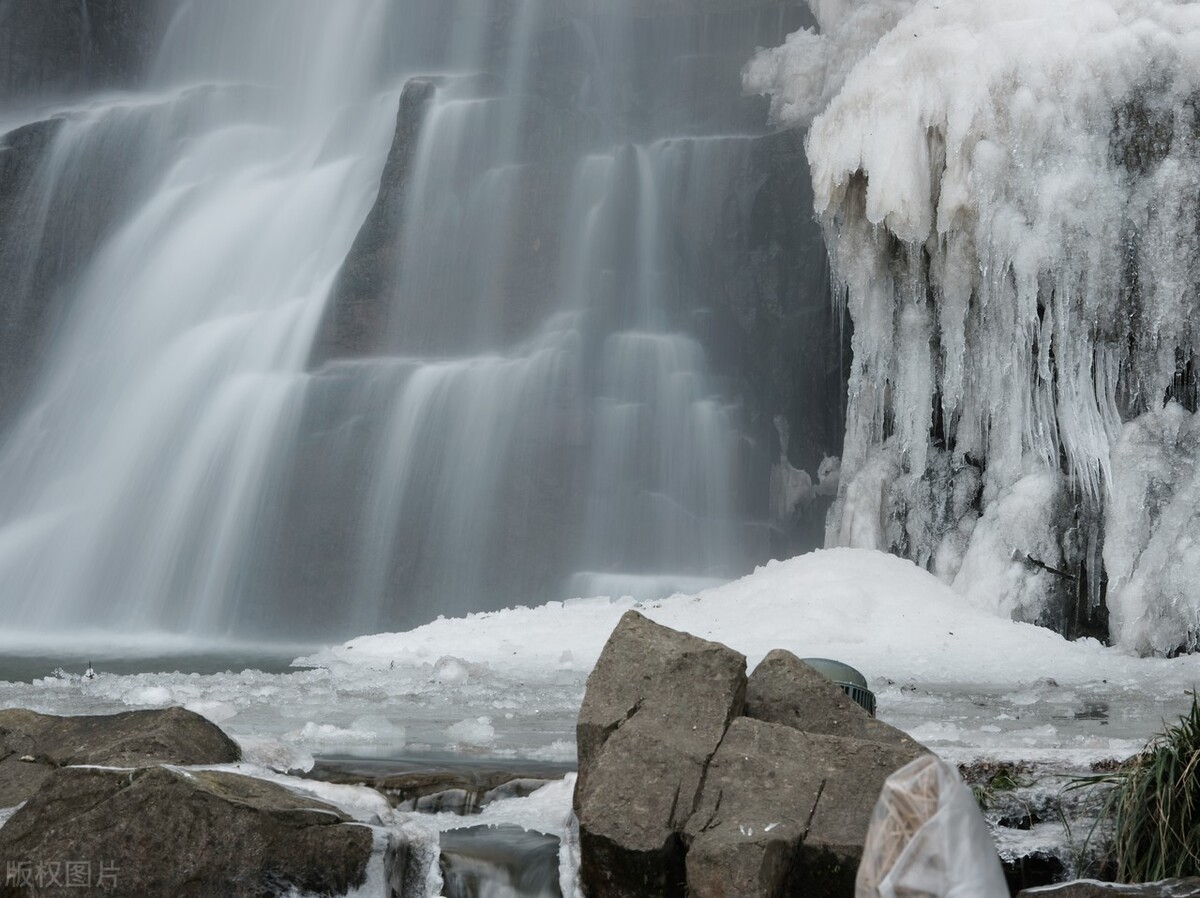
1044	158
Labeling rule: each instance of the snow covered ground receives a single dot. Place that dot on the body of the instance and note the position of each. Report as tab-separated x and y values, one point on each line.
966	683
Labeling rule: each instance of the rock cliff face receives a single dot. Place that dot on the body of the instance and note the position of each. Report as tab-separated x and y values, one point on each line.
580	287
757	274
67	181
747	282
55	47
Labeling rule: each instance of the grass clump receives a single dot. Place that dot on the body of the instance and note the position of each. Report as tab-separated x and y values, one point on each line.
994	780
1153	806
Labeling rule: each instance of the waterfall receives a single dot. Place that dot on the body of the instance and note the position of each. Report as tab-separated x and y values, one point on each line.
537	262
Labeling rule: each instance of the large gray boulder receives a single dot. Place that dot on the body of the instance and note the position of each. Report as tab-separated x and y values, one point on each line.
786	812
680	794
784	690
160	831
657	706
33	745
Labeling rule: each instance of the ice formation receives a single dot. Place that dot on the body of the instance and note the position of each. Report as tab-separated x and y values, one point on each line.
1010	198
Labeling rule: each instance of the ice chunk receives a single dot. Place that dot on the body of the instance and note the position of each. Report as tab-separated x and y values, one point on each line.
264	751
1152	549
475	731
803	74
150	696
217	712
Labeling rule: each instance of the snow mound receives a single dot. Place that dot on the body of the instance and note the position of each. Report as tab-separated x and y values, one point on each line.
879	613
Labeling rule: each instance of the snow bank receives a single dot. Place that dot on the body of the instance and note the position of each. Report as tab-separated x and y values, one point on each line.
1011	193
882	614
508	684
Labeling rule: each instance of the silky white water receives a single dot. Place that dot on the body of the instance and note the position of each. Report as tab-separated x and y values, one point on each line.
536	414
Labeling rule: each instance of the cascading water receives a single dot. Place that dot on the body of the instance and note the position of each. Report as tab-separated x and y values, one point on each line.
532	408
143	465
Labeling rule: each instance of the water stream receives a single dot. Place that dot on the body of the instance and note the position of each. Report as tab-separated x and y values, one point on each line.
538	414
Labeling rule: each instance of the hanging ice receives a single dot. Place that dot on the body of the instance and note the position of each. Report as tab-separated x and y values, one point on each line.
1010	199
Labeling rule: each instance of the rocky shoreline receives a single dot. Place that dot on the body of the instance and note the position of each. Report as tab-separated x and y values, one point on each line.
134	794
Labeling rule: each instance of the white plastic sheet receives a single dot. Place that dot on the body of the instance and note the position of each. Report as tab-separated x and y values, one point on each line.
928	839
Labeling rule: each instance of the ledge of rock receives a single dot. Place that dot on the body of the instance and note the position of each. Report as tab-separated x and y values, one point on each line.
1088	888
160	831
356	317
692	782
33	745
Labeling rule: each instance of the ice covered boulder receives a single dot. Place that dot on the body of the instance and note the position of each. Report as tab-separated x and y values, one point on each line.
656	707
786	812
32	745
159	831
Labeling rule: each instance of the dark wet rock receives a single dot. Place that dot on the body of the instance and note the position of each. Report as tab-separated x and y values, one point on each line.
1089	888
24	309
783	689
433	797
656	707
461	788
1033	868
786	812
160	831
33	745
66	182
356	319
51	47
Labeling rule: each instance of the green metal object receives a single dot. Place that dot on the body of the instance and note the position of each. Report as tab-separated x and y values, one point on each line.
852	682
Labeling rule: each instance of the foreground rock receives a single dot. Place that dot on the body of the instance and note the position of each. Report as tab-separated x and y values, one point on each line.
788	797
656	708
163	832
785	690
786	812
1087	888
680	794
33	745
